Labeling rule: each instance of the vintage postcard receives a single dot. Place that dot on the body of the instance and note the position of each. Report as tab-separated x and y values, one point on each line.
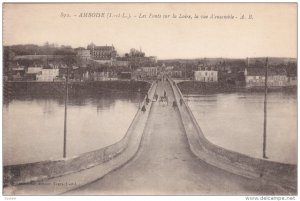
150	99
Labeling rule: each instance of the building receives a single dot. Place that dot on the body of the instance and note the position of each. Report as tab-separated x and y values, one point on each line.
121	62
104	53
32	73
100	76
47	75
175	72
18	73
206	75
291	70
34	70
137	74
83	57
292	80
149	71
254	77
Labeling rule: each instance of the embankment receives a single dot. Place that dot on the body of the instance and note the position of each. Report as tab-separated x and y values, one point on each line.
11	89
196	87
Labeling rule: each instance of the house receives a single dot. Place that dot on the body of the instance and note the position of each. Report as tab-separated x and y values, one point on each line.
100	76
47	75
34	70
138	74
206	75
18	73
32	73
255	76
149	71
175	72
292	74
292	80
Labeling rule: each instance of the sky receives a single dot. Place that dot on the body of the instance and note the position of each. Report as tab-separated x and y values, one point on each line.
272	31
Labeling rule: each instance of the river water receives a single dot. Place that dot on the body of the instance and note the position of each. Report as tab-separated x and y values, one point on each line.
235	121
33	127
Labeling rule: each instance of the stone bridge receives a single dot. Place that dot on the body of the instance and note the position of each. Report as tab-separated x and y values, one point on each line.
164	152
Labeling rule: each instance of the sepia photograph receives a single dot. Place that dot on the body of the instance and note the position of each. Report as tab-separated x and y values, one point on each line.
150	99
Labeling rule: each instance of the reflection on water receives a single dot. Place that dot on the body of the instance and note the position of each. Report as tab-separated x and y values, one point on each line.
235	121
33	126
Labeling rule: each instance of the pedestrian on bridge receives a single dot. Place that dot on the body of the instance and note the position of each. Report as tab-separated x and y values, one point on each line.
147	100
143	108
181	102
174	104
155	96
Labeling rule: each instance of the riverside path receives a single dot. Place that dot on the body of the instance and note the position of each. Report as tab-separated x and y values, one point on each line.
164	164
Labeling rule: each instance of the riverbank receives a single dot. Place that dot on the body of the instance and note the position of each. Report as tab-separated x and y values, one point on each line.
195	87
57	89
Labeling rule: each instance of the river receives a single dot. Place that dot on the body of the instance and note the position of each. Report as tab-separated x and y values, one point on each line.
235	121
33	127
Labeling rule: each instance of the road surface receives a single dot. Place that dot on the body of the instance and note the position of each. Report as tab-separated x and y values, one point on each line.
164	164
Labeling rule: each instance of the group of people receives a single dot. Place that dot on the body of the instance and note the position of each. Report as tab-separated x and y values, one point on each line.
163	99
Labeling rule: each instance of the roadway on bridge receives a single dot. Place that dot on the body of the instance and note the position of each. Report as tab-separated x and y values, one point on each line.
164	164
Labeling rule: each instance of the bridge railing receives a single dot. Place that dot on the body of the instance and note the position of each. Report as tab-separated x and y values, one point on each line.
280	173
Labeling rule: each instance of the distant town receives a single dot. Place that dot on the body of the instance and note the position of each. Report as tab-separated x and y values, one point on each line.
52	63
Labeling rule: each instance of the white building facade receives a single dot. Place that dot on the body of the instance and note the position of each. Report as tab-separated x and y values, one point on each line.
47	75
34	70
255	77
149	71
206	75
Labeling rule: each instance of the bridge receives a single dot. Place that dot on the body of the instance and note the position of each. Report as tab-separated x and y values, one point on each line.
164	152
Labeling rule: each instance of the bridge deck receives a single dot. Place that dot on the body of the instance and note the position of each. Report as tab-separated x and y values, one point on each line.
165	165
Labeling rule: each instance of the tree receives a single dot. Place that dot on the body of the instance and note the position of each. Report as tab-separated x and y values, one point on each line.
69	60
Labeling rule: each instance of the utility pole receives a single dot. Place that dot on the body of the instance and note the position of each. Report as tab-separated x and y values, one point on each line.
194	80
65	119
185	71
265	111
